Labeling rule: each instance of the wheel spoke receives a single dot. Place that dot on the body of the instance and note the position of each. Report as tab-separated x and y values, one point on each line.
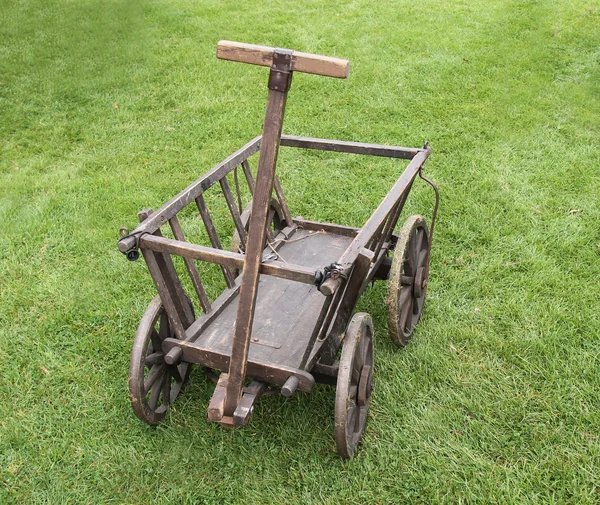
174	370
156	341
154	359
351	418
417	305
422	257
406	311
355	376
353	410
155	394
163	330
155	372
357	421
405	295
166	391
363	348
413	252
419	242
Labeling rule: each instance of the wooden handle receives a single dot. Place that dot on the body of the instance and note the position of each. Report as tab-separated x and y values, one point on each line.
301	62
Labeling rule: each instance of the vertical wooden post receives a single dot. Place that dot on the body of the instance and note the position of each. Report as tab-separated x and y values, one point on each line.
279	83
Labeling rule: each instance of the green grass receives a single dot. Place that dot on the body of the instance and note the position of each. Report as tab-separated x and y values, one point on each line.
109	107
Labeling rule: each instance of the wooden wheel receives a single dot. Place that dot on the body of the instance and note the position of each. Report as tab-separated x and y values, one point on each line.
276	223
354	384
154	385
407	283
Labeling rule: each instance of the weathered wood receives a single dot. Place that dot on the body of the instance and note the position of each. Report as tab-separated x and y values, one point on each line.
331	370
324	329
194	190
381	270
191	267
167	283
219	305
347	304
381	213
251	394
212	235
174	356
282	202
287	313
230	259
266	372
248	175
330	286
236	180
256	239
341	146
290	386
338	229
217	402
301	62
393	220
164	292
318	327
235	214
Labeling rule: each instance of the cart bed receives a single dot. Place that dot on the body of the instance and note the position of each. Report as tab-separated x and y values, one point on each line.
286	311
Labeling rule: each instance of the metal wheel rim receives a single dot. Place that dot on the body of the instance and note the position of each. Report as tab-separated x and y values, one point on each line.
154	385
357	352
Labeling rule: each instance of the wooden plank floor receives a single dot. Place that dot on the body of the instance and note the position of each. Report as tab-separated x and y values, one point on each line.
286	311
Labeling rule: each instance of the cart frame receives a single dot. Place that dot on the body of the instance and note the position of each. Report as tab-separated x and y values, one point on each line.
342	282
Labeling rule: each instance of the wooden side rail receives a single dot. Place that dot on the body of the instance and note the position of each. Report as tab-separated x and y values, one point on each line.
194	190
290	271
301	62
340	146
377	221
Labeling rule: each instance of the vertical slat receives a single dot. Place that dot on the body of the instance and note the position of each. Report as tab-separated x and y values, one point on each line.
392	220
237	189
371	244
248	174
156	272
282	202
191	267
235	213
278	192
214	238
168	277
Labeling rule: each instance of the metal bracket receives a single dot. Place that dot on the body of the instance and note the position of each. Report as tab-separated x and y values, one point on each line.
280	78
333	271
129	245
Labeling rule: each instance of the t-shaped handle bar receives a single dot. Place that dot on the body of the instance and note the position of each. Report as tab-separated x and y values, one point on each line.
301	62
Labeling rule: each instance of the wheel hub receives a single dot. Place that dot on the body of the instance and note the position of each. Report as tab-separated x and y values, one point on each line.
420	282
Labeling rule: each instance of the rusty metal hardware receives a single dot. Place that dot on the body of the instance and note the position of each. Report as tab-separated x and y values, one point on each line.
333	271
129	245
280	78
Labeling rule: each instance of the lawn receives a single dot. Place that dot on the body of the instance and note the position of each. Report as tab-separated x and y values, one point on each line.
108	107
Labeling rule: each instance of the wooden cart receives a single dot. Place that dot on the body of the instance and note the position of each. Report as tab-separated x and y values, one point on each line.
278	326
